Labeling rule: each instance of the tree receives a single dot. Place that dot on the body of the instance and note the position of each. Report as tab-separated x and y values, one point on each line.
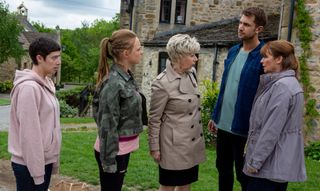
41	27
10	30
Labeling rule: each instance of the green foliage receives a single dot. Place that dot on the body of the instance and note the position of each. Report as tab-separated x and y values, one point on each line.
304	22
71	96
81	48
209	91
41	27
69	101
6	86
66	110
10	30
313	151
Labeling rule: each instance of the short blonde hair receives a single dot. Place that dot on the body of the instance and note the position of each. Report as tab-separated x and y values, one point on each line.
180	45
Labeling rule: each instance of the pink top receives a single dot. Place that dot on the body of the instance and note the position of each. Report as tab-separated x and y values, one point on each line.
125	147
34	138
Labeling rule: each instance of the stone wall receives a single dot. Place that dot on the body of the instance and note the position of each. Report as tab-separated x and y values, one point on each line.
204	11
7	70
150	63
314	61
145	17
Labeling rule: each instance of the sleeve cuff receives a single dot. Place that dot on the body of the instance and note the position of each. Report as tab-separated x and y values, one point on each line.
110	168
38	180
154	147
255	164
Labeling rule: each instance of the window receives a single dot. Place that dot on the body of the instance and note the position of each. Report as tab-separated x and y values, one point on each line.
163	56
180	16
165	11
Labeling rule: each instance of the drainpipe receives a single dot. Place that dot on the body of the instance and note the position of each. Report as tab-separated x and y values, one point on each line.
129	10
215	63
131	13
290	20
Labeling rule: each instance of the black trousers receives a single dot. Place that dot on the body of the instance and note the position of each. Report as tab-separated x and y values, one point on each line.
230	149
113	181
24	181
262	184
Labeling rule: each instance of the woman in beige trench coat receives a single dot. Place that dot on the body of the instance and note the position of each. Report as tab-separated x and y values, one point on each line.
175	130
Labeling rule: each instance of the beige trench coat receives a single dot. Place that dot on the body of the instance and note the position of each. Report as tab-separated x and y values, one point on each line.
175	127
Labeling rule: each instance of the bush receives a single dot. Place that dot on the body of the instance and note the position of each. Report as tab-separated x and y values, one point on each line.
6	86
71	96
210	93
66	110
313	151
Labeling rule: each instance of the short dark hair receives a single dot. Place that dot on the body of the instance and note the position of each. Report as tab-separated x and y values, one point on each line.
260	18
42	46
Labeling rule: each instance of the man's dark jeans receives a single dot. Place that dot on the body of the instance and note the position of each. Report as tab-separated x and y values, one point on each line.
230	149
262	184
24	181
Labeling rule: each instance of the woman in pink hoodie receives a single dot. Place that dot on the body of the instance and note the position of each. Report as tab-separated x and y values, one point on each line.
34	133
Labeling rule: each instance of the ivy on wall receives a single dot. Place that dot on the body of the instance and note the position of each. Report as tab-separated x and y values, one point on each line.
304	23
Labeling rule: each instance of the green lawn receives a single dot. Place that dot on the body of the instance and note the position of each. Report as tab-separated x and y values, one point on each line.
4	101
77	160
77	120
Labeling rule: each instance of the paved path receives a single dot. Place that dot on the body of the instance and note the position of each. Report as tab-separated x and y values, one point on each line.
4	117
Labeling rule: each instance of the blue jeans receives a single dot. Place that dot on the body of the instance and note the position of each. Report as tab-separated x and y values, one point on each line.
262	184
24	181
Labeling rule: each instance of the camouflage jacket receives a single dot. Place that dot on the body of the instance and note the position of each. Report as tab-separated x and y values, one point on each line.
119	114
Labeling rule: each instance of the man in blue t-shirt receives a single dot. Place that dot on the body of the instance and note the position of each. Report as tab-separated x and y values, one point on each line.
230	117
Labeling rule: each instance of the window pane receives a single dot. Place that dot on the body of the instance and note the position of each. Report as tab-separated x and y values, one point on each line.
163	56
181	7
165	11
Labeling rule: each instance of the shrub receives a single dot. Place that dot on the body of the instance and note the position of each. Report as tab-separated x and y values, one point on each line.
210	93
70	96
66	110
6	86
313	151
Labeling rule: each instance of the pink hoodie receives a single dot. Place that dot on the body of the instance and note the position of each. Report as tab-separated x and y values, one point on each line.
34	133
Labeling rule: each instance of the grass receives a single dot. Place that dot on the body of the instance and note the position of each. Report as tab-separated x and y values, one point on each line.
77	160
4	101
79	120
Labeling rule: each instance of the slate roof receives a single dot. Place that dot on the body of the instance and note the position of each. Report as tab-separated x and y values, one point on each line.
26	24
30	33
221	33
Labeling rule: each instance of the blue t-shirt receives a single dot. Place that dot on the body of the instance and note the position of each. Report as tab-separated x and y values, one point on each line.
231	92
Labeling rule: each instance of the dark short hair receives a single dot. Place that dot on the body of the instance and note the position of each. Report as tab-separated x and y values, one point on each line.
43	47
260	18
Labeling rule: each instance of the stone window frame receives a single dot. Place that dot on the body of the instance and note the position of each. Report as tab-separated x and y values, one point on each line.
163	56
182	12
165	15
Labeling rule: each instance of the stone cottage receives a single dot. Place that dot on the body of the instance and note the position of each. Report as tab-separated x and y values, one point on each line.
214	23
28	35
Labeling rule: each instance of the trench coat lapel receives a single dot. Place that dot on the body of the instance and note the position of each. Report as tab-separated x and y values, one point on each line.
188	83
